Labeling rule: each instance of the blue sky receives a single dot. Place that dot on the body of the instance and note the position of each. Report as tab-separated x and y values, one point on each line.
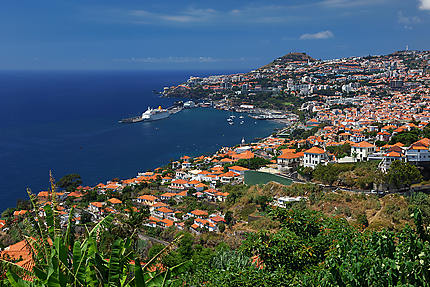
206	35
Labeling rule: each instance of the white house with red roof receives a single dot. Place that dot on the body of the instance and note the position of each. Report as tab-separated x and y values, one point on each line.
419	151
179	184
288	159
238	169
147	199
389	158
314	156
360	151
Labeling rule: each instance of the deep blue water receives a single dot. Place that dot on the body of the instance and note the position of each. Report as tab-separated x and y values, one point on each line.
68	122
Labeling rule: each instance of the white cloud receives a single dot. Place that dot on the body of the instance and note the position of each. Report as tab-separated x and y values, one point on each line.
187	16
424	4
403	19
350	3
406	21
178	60
317	36
268	14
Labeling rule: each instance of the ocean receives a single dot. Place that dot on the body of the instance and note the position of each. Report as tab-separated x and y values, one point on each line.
67	122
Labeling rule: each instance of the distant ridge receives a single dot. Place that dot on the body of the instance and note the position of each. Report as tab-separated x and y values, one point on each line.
290	57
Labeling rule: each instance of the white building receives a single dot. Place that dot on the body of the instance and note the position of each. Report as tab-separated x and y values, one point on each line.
361	151
314	156
388	159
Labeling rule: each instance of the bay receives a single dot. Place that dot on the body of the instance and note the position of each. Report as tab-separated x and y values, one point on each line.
68	122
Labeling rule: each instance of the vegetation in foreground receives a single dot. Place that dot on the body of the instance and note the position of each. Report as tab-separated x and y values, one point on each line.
307	248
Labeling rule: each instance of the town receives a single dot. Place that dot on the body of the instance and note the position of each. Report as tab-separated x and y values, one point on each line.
341	117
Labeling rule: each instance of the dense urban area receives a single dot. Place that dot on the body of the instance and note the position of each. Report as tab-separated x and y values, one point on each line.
337	197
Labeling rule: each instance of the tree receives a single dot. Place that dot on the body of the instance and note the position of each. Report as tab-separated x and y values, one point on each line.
340	151
406	138
70	182
228	217
253	163
403	174
85	217
362	220
221	227
263	201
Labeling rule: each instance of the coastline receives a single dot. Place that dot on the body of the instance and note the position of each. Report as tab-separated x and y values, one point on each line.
136	158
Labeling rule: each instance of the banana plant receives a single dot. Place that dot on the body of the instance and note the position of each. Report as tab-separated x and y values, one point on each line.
59	261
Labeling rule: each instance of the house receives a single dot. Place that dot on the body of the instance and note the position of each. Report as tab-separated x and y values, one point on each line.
75	195
43	196
147	199
114	201
21	254
2	224
314	156
152	221
166	180
362	150
96	207
163	212
200	186
288	160
216	219
157	205
179	184
238	169
186	164
203	223
228	177
383	136
389	158
198	213
284	200
181	174
167	196
18	213
419	151
180	225
165	222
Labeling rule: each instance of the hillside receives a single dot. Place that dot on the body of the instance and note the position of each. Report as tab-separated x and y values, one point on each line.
290	57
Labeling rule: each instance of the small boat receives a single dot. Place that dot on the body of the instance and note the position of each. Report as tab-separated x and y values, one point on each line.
241	117
230	123
241	122
230	120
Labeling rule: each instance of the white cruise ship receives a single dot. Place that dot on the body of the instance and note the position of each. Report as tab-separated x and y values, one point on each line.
148	115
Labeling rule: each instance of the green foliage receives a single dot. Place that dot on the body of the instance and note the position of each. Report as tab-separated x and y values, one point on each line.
407	138
303	134
359	175
314	250
420	201
263	201
235	192
329	173
70	182
67	262
253	163
228	217
340	150
362	220
403	174
378	259
380	143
